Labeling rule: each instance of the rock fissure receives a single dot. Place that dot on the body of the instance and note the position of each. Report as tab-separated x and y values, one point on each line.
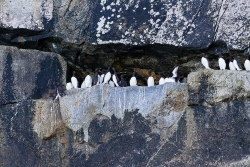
67	9
10	103
219	17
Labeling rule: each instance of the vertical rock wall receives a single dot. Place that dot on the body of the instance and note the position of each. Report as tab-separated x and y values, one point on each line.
25	75
193	124
28	74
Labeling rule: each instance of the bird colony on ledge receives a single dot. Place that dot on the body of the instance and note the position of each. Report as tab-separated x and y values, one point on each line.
115	81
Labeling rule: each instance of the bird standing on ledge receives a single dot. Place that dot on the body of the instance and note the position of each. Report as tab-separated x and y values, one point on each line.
133	81
74	80
222	62
150	81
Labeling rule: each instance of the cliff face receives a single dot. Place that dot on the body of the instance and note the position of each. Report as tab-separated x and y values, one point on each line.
28	74
154	34
181	23
204	122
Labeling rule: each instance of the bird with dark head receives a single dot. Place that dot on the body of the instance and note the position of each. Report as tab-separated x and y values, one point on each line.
204	60
102	76
96	77
150	80
179	79
115	77
247	63
123	83
133	80
74	80
88	79
83	85
231	64
107	76
237	63
222	62
161	80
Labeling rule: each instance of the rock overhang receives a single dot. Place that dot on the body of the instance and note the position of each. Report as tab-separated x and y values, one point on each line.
188	24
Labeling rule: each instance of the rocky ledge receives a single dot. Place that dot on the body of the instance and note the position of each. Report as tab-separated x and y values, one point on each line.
204	122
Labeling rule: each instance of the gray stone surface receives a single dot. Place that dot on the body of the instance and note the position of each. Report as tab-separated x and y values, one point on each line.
163	22
232	22
26	74
184	23
210	87
31	15
161	105
169	125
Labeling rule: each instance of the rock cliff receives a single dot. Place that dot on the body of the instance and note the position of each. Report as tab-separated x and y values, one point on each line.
154	34
204	122
132	22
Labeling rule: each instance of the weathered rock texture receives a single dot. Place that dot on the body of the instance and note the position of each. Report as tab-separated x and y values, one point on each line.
157	34
208	87
31	15
123	122
181	23
202	123
25	75
28	74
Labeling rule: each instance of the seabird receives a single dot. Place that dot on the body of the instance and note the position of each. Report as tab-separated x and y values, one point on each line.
96	77
111	83
123	83
247	63
150	81
222	62
107	76
74	80
99	79
174	72
169	79
133	81
175	77
178	79
115	78
83	85
102	76
204	61
231	64
69	86
88	80
237	63
161	81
